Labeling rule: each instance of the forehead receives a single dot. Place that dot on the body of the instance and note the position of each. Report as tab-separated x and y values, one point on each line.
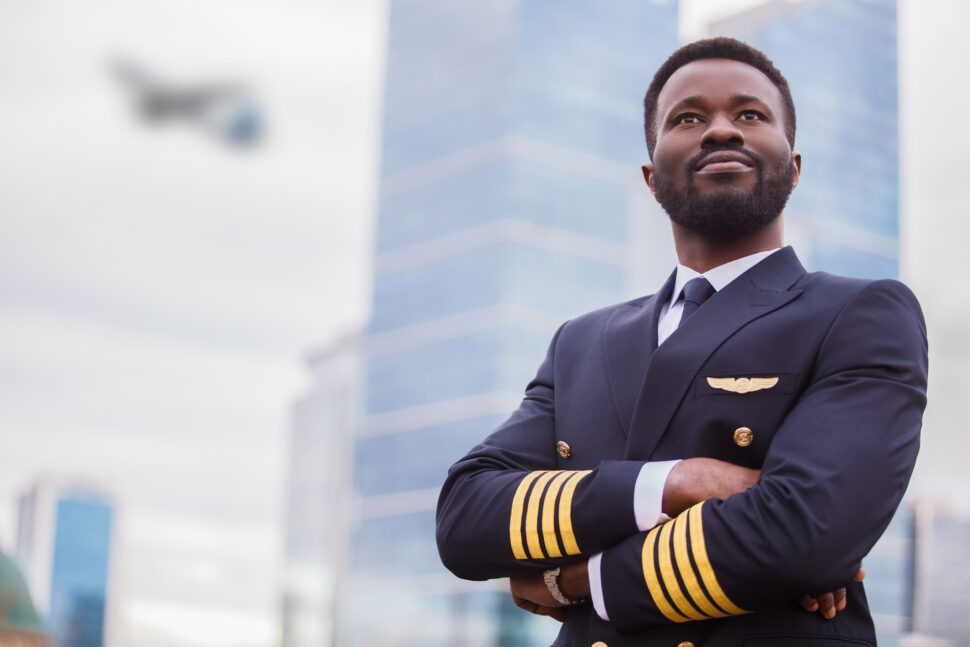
718	78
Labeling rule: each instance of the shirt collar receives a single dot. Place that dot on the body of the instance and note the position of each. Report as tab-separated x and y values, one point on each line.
719	277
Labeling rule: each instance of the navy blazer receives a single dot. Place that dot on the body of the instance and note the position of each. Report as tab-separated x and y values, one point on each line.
817	380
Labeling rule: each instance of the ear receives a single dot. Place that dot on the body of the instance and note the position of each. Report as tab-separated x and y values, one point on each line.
648	177
796	159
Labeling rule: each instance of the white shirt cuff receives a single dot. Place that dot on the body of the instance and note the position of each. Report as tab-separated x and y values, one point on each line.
648	493
596	586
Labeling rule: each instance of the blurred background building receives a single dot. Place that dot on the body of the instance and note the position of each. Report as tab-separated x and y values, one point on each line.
509	200
939	585
64	544
839	57
318	468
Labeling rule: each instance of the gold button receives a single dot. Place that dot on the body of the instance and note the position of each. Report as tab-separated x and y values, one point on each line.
686	643
743	437
565	451
598	643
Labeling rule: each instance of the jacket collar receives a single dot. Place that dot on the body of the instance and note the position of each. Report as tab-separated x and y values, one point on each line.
648	384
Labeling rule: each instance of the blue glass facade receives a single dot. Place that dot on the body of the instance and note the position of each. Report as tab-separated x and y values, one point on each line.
512	138
840	58
79	576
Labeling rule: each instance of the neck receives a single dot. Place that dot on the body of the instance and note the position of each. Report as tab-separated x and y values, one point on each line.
702	254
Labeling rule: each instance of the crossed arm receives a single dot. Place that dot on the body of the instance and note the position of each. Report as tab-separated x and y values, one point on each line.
835	472
691	481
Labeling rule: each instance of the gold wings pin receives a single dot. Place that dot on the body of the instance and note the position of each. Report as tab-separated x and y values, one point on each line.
742	384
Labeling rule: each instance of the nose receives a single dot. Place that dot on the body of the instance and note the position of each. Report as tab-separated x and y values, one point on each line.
722	130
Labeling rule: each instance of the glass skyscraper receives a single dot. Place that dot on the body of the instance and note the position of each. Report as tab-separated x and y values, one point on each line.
64	548
510	199
840	58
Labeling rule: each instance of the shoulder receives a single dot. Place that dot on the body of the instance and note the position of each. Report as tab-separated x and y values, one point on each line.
839	292
868	315
596	319
851	287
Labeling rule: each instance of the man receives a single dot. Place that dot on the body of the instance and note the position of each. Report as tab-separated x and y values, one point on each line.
794	399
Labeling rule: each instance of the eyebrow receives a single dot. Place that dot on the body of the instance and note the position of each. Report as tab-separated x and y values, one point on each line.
697	101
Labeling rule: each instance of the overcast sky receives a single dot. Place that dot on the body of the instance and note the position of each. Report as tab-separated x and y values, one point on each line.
158	289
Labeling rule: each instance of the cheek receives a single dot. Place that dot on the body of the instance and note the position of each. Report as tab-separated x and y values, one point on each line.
774	147
669	160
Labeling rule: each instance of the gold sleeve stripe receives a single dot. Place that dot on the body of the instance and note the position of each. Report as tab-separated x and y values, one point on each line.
699	550
532	516
653	584
549	515
515	522
670	578
686	571
565	513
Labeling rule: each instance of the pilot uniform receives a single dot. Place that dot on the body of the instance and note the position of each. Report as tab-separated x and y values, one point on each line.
817	380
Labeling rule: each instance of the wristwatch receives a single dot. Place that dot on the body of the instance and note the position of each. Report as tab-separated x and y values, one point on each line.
551	578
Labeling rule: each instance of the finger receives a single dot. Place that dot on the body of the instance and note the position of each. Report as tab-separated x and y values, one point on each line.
840	599
826	606
552	612
809	603
861	575
522	603
525	605
559	613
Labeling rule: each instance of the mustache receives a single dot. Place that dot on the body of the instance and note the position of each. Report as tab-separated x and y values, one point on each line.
692	163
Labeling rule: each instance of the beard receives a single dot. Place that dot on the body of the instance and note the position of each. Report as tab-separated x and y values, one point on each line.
727	214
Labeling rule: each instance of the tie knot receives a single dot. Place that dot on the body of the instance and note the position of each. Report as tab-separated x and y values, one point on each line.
698	290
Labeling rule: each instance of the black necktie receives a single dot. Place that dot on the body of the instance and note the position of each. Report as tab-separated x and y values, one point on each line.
696	292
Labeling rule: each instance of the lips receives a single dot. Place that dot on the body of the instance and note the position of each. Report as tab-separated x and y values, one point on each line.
724	162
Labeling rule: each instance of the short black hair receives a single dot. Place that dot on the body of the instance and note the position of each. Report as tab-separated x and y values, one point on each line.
720	47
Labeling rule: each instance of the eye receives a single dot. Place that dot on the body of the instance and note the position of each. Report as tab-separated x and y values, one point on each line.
751	115
687	118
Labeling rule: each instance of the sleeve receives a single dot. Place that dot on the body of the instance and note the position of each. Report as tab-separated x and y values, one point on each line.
832	479
505	509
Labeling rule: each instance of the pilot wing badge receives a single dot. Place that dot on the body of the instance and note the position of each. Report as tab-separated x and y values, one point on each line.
742	384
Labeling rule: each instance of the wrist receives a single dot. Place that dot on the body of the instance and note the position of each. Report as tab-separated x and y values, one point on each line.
574	581
677	495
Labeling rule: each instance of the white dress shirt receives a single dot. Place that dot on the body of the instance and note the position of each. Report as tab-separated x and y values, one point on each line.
649	487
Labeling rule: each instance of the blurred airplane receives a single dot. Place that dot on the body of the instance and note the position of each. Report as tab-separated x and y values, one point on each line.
225	110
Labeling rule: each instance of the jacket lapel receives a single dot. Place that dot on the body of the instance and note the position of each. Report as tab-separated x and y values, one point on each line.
630	338
672	368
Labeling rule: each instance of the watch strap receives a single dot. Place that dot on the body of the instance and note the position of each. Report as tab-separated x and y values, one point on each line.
551	578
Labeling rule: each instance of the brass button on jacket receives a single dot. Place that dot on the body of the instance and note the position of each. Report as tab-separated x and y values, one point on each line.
743	436
563	449
598	643
686	643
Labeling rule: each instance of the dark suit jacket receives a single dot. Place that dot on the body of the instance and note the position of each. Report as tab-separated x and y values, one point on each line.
827	373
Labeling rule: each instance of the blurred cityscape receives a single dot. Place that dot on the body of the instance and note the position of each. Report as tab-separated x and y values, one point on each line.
507	198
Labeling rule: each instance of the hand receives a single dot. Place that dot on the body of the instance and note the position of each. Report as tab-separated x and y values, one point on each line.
529	592
693	480
828	604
